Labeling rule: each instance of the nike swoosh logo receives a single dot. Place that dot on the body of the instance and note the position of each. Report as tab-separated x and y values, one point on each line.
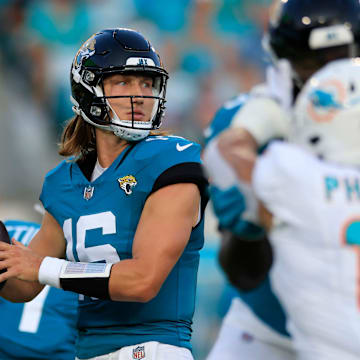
182	148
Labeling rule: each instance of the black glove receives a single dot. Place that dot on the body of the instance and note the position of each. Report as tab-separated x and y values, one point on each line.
246	262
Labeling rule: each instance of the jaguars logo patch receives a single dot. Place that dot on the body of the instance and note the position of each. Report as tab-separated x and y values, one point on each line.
127	183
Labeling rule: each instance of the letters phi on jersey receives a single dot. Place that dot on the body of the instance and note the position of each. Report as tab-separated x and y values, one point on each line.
316	238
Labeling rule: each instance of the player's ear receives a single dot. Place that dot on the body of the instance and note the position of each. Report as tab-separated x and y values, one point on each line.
4	237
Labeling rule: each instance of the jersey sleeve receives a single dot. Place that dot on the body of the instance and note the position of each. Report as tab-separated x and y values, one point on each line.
228	202
45	197
181	163
282	182
224	116
55	181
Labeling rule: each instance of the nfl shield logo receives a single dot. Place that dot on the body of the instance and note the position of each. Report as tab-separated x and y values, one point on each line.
139	352
88	192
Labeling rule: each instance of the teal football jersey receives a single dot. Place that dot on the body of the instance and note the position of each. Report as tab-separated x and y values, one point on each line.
44	328
99	220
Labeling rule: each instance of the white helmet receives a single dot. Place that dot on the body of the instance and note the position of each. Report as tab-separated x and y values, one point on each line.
327	113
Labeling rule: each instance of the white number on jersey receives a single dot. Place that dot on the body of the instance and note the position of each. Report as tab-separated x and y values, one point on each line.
105	221
32	312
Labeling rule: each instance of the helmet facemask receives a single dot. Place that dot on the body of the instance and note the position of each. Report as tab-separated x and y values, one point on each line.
132	129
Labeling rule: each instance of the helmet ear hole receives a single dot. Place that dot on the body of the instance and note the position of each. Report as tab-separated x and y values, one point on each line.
352	87
314	140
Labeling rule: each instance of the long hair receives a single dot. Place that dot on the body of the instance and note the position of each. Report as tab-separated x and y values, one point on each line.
77	139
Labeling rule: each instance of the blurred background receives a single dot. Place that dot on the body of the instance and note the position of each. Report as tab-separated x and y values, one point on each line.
211	48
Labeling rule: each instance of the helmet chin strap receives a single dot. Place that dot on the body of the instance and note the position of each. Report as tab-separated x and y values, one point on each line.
127	134
118	127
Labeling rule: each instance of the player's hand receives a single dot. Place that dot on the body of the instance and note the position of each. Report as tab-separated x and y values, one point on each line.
19	262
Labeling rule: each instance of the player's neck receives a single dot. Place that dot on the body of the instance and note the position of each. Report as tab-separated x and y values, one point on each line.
109	146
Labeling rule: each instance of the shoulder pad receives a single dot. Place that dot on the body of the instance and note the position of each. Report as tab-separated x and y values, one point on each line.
224	116
154	146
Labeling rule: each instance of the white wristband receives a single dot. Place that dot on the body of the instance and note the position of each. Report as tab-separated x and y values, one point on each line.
50	270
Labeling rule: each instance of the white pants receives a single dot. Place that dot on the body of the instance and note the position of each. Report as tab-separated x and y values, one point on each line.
151	350
244	337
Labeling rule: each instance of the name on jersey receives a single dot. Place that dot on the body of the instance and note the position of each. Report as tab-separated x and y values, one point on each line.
350	187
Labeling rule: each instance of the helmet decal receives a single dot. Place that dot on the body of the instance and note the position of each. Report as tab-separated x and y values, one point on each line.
326	100
329	36
326	117
86	50
140	61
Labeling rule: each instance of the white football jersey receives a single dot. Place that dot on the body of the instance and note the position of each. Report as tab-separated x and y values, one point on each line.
316	238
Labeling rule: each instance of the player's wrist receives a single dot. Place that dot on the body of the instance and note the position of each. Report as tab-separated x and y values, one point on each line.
50	270
90	279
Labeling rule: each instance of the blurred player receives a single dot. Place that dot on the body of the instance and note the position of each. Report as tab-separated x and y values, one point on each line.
255	323
126	210
312	190
44	328
322	31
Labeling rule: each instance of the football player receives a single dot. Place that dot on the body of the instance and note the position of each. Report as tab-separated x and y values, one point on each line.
311	189
43	328
322	31
126	210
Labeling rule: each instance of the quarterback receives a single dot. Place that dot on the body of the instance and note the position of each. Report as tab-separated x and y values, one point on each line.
124	213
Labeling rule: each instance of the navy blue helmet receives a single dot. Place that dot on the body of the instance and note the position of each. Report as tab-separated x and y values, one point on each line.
310	33
116	51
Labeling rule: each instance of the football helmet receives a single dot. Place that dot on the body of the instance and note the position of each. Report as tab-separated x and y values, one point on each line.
312	33
327	113
109	52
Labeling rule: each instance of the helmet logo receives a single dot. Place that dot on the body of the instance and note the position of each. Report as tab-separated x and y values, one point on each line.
86	50
329	36
127	183
140	61
326	100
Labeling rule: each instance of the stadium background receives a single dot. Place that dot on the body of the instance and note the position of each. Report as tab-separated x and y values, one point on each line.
211	48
